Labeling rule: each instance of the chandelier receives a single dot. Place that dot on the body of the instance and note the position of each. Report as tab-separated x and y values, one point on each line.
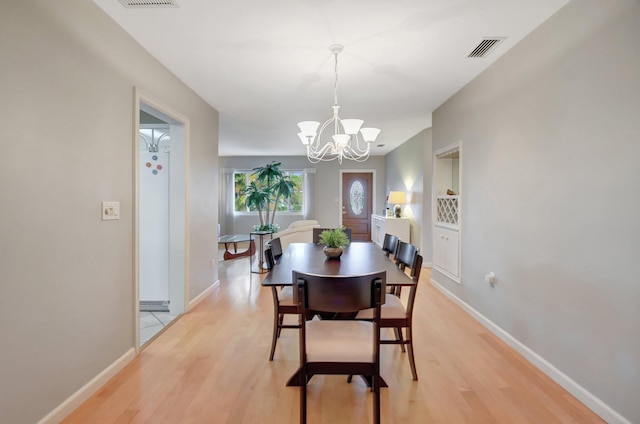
348	141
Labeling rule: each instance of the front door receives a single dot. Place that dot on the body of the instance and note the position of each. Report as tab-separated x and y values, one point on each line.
357	204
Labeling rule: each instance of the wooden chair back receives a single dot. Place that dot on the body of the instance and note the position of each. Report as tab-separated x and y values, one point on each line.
268	258
406	255
340	294
390	244
276	247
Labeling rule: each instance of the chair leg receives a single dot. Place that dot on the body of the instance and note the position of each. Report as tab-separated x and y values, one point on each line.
303	401
280	321
375	383
399	337
412	361
276	333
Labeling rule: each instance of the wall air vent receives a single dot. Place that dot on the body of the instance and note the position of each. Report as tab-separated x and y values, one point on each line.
149	4
486	46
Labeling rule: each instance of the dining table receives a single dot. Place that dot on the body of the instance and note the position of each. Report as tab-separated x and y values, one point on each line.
358	258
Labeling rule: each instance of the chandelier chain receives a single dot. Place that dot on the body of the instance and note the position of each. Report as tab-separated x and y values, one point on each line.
335	86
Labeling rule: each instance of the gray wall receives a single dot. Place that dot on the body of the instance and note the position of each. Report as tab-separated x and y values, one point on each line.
325	189
66	277
550	187
409	171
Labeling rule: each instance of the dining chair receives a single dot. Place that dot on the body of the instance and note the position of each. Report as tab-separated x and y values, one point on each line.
342	346
282	304
405	254
276	247
390	244
404	257
394	314
318	231
269	260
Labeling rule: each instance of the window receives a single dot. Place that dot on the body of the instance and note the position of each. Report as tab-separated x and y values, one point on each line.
295	203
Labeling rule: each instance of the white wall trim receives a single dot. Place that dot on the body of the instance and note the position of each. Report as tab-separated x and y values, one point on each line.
86	391
206	292
583	395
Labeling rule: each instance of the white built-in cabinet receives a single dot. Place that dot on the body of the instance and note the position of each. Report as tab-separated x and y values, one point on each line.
446	254
447	243
381	225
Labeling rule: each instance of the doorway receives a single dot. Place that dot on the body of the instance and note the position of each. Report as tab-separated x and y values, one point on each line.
357	203
161	210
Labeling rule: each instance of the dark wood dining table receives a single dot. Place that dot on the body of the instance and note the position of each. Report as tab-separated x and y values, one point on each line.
357	259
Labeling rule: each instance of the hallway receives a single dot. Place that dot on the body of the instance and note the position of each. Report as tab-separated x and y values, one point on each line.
211	366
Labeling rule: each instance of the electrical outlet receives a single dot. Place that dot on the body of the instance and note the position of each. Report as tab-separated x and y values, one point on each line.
110	210
490	278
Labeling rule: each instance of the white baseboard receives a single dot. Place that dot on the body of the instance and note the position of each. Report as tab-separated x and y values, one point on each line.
76	399
583	395
206	292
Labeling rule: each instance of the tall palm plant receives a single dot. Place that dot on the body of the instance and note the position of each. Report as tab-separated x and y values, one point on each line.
269	187
257	198
283	190
268	176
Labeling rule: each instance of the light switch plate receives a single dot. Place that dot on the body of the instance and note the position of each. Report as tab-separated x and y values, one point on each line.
110	210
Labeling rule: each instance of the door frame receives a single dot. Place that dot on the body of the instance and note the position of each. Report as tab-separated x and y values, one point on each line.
174	118
373	189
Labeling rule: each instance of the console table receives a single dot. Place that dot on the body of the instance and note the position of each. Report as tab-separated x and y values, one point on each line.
381	225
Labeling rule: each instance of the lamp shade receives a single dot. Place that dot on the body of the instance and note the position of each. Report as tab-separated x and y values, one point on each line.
305	139
308	128
369	134
398	197
351	126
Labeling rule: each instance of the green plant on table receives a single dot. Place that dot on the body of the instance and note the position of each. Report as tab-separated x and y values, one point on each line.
335	237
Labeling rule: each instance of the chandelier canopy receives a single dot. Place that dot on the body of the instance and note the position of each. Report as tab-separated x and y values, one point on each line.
348	141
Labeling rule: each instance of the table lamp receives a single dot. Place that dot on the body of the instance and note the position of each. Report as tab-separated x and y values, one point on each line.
399	198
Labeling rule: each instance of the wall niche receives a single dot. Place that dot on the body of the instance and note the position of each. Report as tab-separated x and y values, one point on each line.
447	203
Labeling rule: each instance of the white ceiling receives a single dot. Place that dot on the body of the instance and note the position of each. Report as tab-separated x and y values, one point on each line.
266	65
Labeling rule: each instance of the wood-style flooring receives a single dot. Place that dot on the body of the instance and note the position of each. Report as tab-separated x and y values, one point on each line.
211	366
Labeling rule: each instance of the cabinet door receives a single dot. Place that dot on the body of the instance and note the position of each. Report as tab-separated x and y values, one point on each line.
378	230
439	248
446	254
453	252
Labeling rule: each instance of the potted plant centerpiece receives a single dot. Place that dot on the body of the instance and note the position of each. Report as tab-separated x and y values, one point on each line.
334	240
269	188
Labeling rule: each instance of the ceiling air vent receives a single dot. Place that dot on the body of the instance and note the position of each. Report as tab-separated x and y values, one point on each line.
149	4
485	46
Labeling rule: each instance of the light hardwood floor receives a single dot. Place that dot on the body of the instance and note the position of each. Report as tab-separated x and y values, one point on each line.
211	366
